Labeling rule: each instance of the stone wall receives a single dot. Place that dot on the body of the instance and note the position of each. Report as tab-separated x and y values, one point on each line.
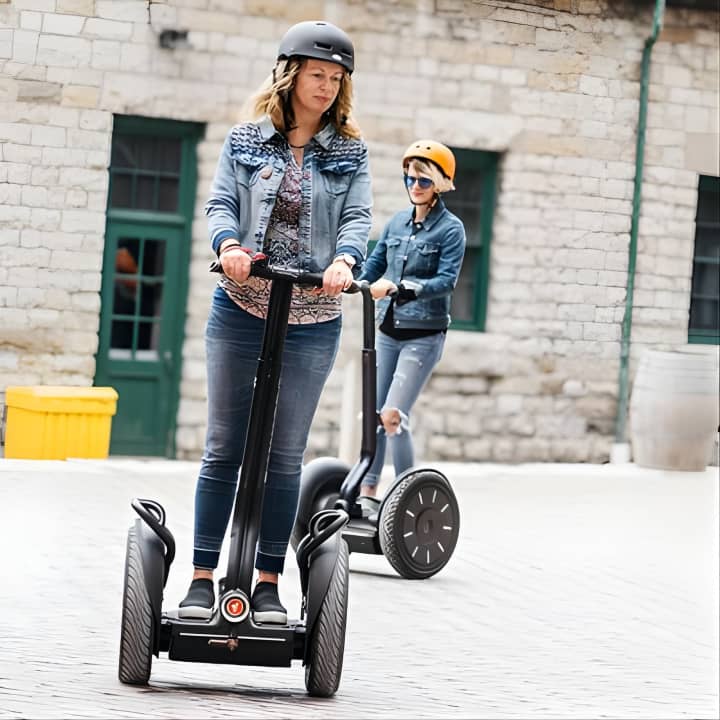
551	85
554	88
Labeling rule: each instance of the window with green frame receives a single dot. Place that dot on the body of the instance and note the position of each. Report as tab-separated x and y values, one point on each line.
704	324
473	202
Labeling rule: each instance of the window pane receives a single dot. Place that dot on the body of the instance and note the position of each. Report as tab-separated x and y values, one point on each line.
125	281
145	152
705	295
142	152
145	193
123	153
706	280
707	246
168	194
146	172
150	299
154	258
469	182
466	202
472	222
167	155
124	297
148	336
463	299
708	207
704	315
121	334
121	190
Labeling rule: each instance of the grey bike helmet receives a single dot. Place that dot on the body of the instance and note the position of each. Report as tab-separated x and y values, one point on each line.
320	40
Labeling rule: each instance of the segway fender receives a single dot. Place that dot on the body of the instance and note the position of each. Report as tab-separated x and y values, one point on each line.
321	474
322	566
152	551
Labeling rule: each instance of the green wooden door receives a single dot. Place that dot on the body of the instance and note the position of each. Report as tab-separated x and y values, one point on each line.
145	280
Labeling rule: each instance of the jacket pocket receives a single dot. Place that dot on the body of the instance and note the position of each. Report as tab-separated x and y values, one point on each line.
424	259
392	255
248	173
335	184
337	174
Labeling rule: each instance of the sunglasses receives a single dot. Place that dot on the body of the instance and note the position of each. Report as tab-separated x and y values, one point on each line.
423	183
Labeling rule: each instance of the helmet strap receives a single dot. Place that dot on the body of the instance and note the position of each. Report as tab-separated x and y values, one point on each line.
431	204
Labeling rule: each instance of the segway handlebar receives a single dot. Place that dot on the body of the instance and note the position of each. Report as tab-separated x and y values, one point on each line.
260	267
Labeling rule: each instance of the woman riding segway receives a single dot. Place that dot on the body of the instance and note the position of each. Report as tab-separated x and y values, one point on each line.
413	271
293	183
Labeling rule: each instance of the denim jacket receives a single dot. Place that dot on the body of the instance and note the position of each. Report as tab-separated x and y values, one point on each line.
336	215
432	258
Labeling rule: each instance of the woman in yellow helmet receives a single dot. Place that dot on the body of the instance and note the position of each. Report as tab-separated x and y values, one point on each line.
413	271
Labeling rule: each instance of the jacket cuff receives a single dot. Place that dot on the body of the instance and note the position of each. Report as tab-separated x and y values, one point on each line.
218	238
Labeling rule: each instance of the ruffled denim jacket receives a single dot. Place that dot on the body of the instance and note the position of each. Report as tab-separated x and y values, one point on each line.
429	258
336	205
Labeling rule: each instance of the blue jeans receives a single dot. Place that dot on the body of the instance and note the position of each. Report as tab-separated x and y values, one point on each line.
233	339
403	368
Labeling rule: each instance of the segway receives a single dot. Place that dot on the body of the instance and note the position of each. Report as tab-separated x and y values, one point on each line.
231	636
417	522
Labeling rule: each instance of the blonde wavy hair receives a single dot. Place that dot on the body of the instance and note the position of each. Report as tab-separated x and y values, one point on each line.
273	99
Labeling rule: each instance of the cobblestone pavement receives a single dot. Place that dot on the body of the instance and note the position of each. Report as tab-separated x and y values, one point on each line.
575	592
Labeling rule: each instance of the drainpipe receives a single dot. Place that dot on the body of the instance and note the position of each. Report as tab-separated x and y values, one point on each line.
621	448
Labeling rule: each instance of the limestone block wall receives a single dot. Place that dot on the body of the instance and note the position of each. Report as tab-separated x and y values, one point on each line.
550	85
553	87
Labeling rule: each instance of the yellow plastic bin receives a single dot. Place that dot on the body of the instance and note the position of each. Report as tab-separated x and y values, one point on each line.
49	422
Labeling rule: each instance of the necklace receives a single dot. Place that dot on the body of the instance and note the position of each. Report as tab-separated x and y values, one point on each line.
298	147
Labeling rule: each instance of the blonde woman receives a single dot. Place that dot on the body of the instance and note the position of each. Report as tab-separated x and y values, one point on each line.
413	271
292	182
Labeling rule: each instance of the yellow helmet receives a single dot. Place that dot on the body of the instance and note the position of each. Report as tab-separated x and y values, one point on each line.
434	151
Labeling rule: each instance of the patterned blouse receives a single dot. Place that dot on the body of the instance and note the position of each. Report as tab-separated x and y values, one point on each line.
281	247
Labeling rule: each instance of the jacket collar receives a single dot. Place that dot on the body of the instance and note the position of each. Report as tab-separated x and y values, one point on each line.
322	138
433	216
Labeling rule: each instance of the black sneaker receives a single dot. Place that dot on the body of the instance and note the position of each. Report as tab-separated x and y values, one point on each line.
199	601
265	603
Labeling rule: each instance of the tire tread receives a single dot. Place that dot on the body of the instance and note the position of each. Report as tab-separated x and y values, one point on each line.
390	516
323	671
136	630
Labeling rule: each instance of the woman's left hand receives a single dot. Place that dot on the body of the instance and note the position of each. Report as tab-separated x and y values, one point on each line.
382	288
336	278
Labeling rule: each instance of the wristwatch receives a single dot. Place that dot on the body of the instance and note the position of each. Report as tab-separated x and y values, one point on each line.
348	259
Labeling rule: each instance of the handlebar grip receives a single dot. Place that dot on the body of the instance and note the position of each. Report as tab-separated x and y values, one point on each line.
259	267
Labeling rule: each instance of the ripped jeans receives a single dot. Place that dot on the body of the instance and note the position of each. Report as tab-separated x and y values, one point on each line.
403	368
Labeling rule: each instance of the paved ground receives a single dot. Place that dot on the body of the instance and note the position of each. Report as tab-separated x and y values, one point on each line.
575	592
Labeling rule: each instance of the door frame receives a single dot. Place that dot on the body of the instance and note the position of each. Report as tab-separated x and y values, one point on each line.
190	133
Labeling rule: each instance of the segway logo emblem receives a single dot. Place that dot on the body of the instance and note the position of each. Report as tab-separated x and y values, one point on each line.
235	607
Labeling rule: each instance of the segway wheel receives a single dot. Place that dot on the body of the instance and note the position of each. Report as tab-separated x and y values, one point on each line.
419	525
136	627
327	644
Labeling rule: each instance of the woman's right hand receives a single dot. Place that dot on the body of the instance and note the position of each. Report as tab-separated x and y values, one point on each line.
235	262
382	288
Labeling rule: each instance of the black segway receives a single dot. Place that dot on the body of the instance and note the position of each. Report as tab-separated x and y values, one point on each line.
231	636
417	522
